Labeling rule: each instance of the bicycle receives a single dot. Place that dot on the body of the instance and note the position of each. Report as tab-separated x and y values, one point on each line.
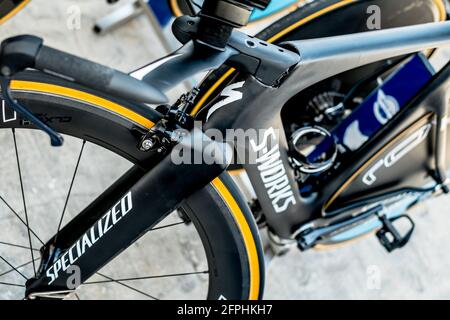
68	95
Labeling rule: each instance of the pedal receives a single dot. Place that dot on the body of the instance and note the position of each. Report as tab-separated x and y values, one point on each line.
390	237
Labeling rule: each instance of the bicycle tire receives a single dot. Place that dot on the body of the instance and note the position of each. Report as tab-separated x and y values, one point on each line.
10	9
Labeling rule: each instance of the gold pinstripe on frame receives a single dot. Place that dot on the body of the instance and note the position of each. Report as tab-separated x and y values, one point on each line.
402	135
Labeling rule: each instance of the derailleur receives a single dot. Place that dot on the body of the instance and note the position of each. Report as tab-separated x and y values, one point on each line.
172	127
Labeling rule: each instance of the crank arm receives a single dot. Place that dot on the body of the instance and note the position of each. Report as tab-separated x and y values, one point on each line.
308	238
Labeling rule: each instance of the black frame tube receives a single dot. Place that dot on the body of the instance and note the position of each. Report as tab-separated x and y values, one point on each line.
132	214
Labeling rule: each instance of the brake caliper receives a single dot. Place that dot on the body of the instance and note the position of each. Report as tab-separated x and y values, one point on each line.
167	132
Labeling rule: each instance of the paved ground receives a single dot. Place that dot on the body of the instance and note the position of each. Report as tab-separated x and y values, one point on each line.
361	270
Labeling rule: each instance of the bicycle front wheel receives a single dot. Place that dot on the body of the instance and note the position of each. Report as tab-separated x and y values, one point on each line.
210	249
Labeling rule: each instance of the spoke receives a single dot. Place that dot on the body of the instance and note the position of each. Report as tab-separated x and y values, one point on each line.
23	199
13	268
70	189
18	267
12	284
126	286
21	220
167	226
17	246
150	277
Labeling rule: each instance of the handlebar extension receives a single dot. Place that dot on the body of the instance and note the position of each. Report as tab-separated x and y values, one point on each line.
22	52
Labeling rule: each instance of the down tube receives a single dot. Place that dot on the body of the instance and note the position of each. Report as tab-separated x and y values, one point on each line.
264	156
146	203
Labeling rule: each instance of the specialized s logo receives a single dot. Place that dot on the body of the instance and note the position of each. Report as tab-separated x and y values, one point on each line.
397	153
272	172
232	95
97	231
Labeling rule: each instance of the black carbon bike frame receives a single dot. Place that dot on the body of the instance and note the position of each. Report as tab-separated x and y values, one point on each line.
271	76
261	108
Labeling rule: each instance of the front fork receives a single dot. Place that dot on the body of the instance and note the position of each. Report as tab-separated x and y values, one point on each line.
123	214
